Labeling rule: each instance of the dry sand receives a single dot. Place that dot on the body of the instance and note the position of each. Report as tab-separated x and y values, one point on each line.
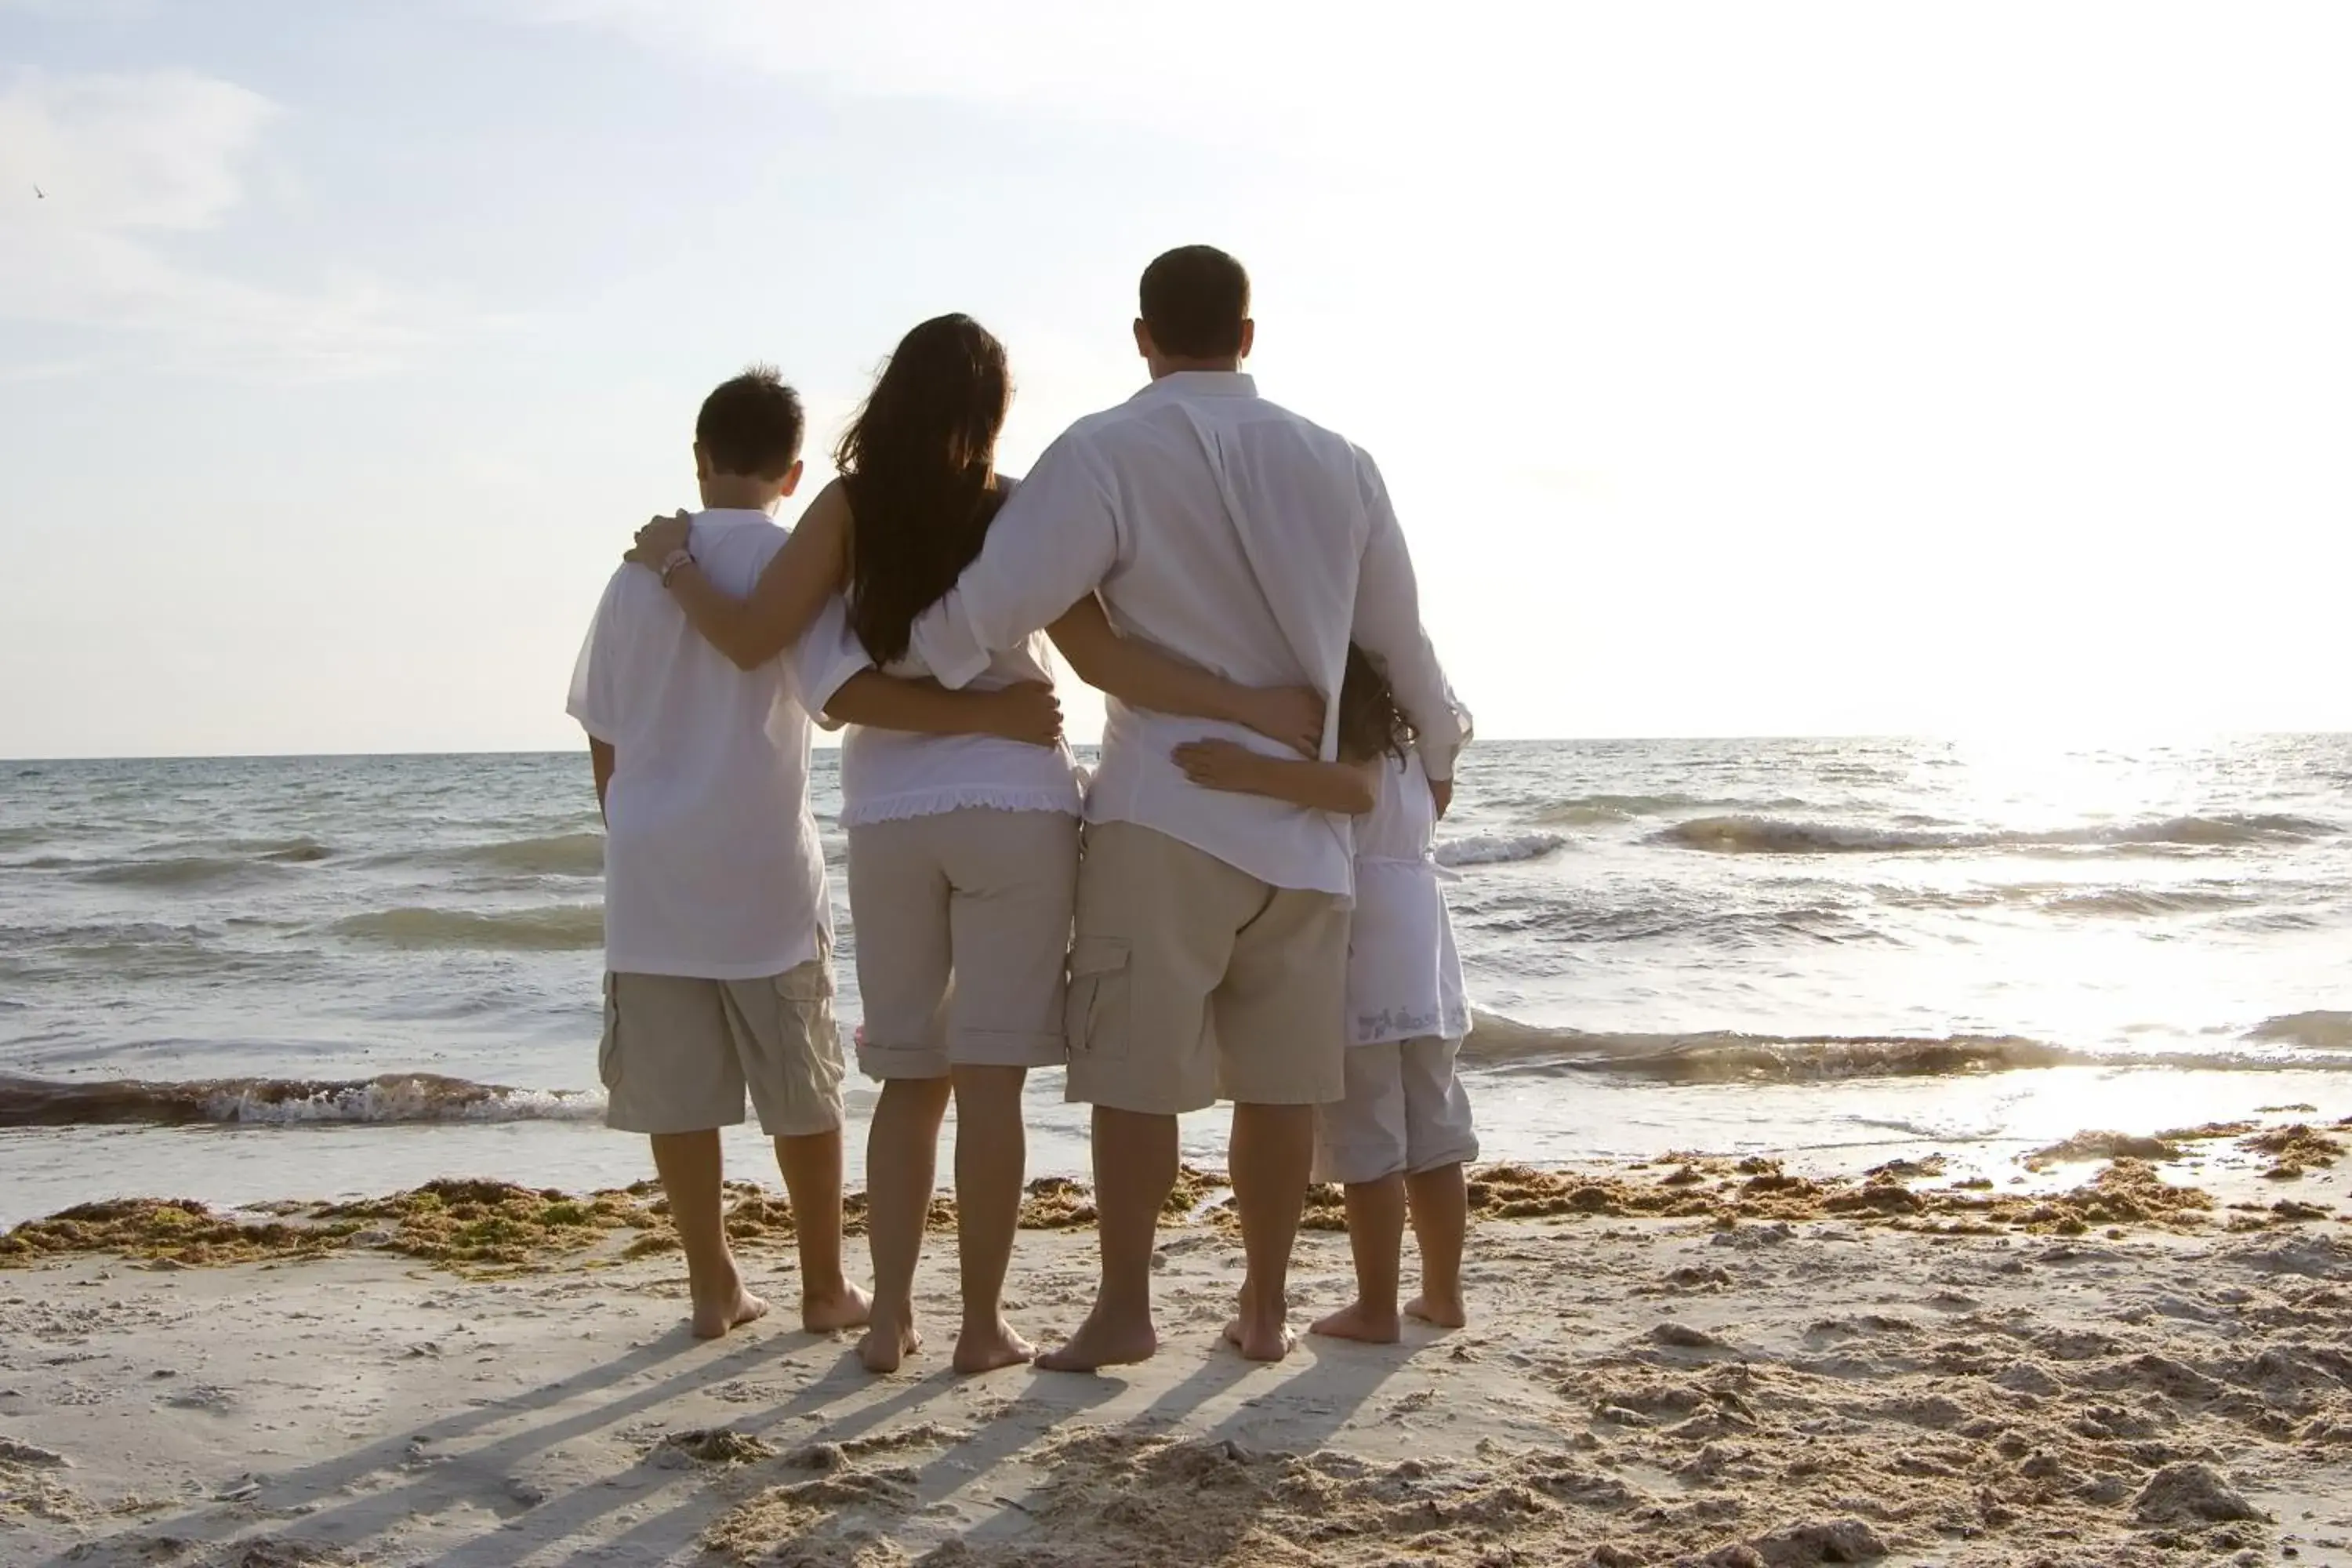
1695	1361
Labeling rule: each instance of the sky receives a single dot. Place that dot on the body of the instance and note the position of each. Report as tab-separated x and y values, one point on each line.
1735	369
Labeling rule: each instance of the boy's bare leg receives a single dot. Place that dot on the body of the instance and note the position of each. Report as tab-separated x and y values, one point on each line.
901	1160
1273	1152
1135	1170
811	1172
1441	1217
1375	1238
991	1157
689	1164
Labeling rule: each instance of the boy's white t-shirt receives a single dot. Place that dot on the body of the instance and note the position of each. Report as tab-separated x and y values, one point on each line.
712	868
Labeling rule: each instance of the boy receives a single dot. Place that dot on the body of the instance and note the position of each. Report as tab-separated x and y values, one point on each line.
718	922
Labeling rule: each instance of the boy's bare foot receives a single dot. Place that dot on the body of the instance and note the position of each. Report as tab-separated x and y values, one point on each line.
1445	1312
846	1308
714	1317
1260	1338
891	1340
985	1347
1356	1321
1104	1341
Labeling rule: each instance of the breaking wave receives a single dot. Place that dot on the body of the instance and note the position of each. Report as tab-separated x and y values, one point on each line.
1497	848
555	929
555	855
1729	1056
1779	836
262	1102
2322	1031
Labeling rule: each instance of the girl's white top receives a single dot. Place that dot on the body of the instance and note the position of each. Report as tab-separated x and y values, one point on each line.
1404	977
889	775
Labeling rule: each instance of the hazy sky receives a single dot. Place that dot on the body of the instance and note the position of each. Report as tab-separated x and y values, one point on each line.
1737	369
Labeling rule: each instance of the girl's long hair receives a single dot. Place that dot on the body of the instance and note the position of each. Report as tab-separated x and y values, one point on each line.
919	462
1370	723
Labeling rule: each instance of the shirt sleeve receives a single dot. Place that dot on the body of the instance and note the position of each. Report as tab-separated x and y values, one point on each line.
596	697
1388	627
1056	541
829	653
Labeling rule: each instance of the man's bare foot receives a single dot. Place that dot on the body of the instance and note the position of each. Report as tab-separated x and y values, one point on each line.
1259	1338
985	1347
1103	1341
890	1340
846	1308
1356	1321
713	1318
1445	1312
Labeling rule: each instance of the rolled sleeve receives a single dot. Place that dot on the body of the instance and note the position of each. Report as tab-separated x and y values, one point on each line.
829	656
1388	627
1054	541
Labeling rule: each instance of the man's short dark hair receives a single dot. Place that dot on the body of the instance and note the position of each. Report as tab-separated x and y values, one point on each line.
1195	299
752	424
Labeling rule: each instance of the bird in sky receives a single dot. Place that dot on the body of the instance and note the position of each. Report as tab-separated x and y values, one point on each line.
39	194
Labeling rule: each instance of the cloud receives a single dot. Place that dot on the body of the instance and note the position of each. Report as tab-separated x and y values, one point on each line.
130	168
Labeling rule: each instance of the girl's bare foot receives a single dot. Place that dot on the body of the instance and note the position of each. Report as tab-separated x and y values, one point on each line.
846	1308
1356	1321
985	1347
891	1340
1104	1339
731	1308
1445	1312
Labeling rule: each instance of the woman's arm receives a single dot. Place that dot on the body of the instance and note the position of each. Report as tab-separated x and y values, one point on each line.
1142	676
1027	712
1349	788
790	593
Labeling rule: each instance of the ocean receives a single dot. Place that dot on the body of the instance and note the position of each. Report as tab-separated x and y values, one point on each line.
246	979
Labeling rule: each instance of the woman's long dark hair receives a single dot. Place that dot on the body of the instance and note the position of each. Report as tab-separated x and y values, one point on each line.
1370	723
920	465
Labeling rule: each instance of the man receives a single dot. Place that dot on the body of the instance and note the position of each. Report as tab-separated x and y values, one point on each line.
718	924
1212	936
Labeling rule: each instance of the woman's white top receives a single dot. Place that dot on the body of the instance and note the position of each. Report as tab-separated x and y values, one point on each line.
889	775
1404	977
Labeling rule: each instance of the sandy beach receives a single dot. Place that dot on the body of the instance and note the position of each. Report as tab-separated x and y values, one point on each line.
2135	1360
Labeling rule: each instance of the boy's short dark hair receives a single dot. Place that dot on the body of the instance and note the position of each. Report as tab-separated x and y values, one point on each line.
1195	299
752	424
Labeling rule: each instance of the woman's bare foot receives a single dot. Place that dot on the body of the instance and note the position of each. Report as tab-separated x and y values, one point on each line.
1104	1341
846	1308
891	1340
1356	1321
1259	1338
731	1310
1445	1312
985	1347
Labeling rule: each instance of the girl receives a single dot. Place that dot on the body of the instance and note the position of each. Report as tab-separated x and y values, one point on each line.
961	806
1402	1134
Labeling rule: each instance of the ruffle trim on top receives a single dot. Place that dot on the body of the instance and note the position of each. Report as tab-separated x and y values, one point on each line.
960	798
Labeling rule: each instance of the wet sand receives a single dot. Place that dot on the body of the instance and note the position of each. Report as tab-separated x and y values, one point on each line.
2140	1353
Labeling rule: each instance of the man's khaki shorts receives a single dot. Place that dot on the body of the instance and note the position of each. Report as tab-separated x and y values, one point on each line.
679	1054
963	921
1189	979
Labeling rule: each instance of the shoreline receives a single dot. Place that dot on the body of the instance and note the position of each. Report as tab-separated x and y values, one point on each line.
1718	1363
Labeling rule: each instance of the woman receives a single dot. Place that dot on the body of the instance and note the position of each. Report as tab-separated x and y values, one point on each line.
962	807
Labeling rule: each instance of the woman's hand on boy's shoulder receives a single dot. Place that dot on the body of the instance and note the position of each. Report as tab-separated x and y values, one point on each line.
661	538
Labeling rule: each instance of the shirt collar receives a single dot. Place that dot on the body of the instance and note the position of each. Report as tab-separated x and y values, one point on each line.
1201	383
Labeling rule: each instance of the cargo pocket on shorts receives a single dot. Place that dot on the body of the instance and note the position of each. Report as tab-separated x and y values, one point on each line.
805	994
1095	1013
608	1046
